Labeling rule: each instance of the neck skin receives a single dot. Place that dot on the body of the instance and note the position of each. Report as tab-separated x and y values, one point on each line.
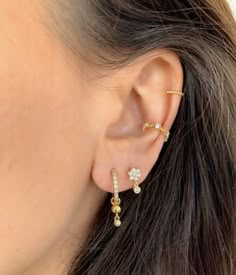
57	260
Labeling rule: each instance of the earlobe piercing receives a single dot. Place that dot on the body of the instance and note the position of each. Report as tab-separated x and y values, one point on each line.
175	92
134	175
115	200
158	127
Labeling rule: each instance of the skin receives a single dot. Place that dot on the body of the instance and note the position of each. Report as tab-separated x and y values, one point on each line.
61	133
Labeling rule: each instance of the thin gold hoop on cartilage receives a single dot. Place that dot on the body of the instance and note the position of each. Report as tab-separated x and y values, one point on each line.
175	92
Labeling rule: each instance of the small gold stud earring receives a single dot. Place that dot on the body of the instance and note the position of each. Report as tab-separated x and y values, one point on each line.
134	175
175	92
158	127
115	200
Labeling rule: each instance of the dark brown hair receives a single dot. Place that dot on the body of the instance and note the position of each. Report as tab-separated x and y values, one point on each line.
183	222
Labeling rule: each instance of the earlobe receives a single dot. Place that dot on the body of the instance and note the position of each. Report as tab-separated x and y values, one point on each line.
129	142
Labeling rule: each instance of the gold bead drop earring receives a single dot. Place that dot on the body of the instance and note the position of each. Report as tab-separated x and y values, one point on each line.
134	175
115	200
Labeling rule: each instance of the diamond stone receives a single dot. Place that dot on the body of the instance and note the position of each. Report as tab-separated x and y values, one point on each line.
134	174
137	190
167	136
157	126
117	223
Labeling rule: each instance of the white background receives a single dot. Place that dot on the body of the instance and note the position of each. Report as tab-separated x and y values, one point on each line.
233	5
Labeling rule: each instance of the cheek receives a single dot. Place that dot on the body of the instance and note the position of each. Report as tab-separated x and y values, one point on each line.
43	143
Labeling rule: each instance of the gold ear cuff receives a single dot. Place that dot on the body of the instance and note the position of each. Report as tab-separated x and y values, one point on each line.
175	92
157	126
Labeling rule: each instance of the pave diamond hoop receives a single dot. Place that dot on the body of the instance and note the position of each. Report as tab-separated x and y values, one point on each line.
134	175
158	127
115	200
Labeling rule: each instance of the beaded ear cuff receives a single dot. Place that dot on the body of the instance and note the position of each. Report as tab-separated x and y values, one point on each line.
158	127
175	92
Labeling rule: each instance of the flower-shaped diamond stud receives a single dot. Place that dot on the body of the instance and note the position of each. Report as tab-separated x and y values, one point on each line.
134	175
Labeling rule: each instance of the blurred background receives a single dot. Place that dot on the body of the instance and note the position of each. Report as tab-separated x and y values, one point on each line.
233	5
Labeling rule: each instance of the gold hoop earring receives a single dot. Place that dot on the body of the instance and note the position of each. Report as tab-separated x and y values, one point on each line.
158	127
175	92
134	175
115	200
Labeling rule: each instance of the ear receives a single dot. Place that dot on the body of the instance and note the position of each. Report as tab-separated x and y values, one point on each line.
142	87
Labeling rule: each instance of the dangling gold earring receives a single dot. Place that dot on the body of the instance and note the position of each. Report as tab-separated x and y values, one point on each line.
115	200
134	175
158	127
175	92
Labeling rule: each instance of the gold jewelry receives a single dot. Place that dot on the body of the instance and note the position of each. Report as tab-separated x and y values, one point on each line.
115	200
157	126
134	175
175	92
